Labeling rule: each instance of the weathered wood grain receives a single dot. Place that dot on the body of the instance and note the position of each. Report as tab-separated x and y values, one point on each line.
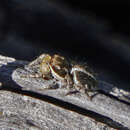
24	112
103	108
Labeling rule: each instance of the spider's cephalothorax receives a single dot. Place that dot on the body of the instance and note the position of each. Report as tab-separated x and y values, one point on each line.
52	67
83	80
60	68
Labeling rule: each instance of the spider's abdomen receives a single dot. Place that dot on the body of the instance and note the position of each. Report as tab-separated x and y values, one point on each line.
83	79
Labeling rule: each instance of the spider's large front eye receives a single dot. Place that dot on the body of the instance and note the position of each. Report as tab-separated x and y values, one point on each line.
46	59
44	68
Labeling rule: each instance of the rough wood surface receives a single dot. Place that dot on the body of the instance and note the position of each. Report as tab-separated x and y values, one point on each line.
109	109
23	112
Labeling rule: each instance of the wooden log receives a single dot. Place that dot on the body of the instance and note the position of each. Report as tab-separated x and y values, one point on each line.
24	112
105	111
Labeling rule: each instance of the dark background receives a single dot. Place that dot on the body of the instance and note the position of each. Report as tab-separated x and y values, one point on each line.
93	32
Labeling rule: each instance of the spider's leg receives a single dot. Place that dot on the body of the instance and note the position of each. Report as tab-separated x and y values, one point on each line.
71	92
89	97
51	87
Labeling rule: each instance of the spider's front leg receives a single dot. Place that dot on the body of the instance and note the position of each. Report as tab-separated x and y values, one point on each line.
89	97
79	89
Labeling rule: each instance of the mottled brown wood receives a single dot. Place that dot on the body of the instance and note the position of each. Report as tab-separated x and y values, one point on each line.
103	107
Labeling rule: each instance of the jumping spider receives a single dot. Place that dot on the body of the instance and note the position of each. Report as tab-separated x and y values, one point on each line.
71	76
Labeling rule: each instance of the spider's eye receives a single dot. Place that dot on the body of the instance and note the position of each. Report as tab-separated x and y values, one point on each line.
46	59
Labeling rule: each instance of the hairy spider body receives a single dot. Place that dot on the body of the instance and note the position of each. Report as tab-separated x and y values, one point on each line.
57	67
